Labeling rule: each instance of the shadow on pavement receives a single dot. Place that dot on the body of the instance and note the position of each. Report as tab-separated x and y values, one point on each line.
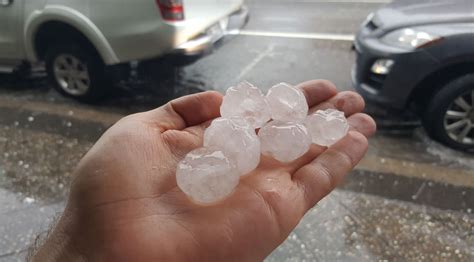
131	96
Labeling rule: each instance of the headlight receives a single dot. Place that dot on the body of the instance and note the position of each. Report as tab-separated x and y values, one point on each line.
382	66
409	38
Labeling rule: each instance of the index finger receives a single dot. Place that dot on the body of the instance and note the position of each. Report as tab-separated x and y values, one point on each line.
187	111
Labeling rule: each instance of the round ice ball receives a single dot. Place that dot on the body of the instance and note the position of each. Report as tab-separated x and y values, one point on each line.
237	139
207	175
284	141
287	103
246	101
327	126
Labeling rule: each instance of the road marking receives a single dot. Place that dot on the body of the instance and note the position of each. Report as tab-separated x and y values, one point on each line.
254	62
426	171
317	36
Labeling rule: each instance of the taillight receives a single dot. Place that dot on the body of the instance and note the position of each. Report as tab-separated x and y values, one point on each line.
171	10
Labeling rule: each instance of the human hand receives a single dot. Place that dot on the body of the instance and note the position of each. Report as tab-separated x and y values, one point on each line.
125	205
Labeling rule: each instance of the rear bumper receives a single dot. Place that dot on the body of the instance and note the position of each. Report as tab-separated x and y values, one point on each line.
205	41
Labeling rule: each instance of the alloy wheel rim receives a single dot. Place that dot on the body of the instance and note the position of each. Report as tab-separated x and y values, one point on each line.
71	74
459	119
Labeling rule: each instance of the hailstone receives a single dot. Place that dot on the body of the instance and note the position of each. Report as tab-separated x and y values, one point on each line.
232	148
246	101
207	175
287	103
237	139
327	126
284	141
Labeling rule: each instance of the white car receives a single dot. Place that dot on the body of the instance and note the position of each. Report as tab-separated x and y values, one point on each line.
79	39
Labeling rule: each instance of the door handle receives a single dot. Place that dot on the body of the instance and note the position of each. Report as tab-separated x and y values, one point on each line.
6	2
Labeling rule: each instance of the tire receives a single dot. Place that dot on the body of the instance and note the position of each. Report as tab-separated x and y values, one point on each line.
77	73
449	116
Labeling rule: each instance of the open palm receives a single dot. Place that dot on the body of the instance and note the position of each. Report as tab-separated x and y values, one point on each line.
125	204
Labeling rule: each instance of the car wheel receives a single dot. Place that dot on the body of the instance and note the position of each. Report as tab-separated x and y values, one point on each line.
76	72
449	117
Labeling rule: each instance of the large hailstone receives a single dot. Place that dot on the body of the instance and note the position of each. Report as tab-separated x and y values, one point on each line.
284	141
237	139
287	103
246	101
207	175
327	126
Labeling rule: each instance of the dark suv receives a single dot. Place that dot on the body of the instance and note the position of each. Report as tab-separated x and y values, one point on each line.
420	55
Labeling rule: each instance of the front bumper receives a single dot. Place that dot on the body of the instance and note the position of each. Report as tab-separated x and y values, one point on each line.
205	41
392	90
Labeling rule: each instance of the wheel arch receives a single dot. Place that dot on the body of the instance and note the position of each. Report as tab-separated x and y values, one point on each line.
53	17
430	85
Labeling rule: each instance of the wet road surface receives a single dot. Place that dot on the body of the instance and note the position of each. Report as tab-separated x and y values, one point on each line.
409	199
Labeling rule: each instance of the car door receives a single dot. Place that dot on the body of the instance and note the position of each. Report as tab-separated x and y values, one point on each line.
10	31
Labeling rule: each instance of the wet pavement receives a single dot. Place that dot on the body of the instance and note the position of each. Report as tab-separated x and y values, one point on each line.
378	213
410	199
349	226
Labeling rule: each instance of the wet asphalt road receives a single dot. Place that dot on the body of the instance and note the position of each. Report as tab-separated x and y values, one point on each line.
409	199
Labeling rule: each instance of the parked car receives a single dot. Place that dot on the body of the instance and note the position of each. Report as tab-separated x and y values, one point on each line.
80	40
419	56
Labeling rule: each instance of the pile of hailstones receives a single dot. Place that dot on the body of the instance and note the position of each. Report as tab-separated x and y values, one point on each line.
232	147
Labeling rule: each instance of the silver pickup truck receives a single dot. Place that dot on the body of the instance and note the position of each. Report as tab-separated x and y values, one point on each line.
78	39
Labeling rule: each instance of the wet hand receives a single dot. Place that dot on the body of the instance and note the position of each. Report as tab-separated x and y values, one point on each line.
125	206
